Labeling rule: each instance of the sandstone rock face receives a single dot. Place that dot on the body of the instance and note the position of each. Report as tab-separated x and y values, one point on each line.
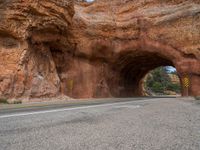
99	49
30	31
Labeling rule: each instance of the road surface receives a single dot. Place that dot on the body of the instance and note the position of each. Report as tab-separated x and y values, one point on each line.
147	124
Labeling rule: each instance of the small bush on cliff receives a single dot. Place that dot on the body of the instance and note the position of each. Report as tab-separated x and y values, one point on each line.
197	97
3	101
17	102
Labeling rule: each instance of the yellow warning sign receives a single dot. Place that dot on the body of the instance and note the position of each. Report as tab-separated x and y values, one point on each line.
186	81
70	85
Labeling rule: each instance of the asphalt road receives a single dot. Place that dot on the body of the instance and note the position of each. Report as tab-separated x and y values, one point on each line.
150	124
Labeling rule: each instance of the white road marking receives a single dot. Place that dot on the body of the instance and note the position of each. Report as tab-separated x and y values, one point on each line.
128	106
69	109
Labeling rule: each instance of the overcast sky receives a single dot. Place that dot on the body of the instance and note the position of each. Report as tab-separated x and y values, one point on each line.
171	69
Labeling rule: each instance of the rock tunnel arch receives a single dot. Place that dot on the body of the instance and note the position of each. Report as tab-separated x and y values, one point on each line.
131	68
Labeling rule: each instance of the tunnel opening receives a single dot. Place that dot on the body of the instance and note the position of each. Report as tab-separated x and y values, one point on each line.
163	81
132	68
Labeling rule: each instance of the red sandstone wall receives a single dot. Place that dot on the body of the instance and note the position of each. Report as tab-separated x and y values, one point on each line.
102	49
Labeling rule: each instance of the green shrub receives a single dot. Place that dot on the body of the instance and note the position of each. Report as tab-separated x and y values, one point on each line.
3	101
173	87
197	97
17	102
157	87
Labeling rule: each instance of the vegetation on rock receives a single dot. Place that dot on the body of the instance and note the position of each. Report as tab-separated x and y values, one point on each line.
3	101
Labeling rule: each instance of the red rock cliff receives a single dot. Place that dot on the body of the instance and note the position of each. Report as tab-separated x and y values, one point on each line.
98	49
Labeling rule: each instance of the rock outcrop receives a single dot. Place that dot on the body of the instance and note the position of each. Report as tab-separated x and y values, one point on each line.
98	49
30	32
